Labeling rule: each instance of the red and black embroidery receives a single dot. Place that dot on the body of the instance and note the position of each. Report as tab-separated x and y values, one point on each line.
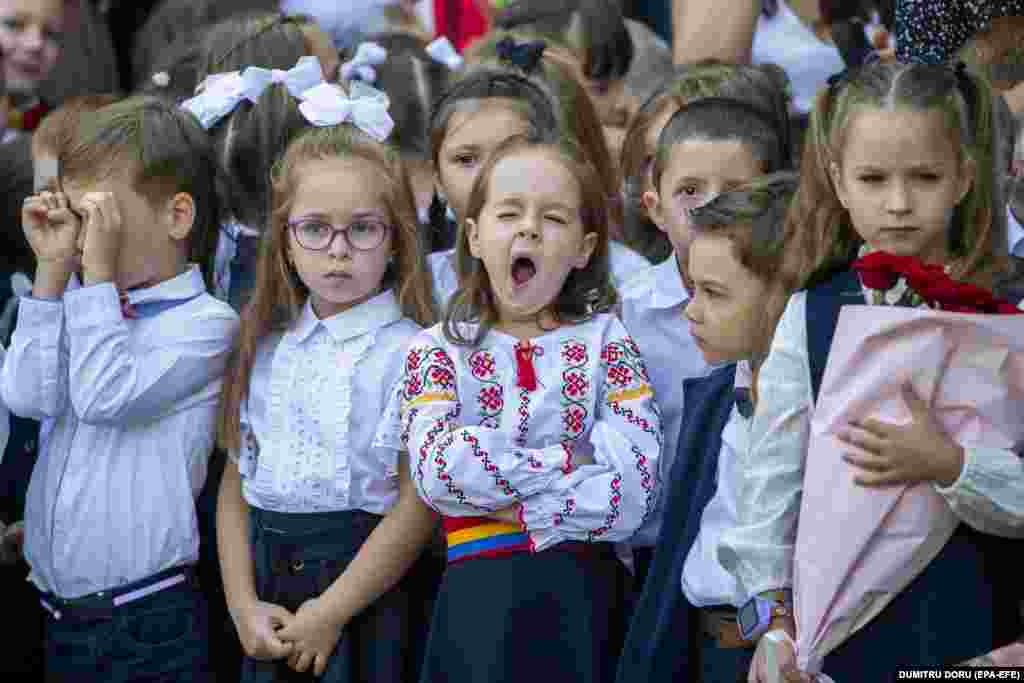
614	502
576	386
441	463
485	459
647	480
428	370
490	400
567	510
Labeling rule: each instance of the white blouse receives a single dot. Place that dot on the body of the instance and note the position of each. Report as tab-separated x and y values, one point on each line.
5	416
315	400
579	452
989	494
784	40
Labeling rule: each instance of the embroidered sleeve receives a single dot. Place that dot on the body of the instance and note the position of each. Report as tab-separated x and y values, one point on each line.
611	499
34	380
112	383
461	470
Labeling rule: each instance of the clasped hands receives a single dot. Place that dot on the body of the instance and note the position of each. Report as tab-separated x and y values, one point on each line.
307	638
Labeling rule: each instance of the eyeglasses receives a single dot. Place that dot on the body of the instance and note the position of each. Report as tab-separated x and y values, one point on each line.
364	235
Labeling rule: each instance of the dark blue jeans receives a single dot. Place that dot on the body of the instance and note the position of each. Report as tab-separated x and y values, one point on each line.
160	638
723	665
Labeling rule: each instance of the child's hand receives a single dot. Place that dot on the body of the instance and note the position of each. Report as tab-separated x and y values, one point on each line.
51	229
314	634
889	454
102	236
259	625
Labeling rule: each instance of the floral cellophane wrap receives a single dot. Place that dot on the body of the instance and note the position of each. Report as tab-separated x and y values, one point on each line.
858	547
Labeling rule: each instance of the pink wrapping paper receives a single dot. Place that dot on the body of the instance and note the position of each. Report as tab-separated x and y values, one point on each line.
858	547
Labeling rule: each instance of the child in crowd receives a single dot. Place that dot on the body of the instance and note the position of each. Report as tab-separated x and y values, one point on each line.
125	370
764	85
31	35
709	146
531	428
252	134
684	627
899	158
316	525
477	113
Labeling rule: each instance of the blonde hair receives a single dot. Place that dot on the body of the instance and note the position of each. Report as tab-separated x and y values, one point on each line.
279	293
824	241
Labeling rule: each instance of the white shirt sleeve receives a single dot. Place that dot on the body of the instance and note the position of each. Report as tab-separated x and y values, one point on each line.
112	382
989	494
611	499
759	549
457	470
34	382
5	417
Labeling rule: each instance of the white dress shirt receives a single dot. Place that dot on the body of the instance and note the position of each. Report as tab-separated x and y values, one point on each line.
316	395
988	495
705	581
785	40
579	452
623	261
5	416
1015	233
652	309
129	410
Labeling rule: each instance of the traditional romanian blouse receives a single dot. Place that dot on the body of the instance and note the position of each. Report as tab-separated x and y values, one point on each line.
564	424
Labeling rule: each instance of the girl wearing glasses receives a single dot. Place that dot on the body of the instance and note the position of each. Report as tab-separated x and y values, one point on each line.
317	522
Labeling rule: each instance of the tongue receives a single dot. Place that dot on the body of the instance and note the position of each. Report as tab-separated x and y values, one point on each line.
523	270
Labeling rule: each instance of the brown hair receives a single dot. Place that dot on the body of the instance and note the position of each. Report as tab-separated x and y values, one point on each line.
752	218
279	293
57	129
824	240
587	291
163	150
764	87
578	118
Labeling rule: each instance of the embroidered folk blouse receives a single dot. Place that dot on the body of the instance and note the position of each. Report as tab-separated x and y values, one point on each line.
316	397
579	451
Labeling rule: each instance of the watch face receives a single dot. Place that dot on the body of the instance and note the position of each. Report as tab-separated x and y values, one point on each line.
747	617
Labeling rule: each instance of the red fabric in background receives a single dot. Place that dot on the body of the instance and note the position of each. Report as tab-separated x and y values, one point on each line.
461	21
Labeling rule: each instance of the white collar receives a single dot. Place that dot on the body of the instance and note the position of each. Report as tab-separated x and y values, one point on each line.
185	286
668	288
744	375
369	316
1014	230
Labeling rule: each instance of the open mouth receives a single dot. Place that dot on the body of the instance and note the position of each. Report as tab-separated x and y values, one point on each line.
523	270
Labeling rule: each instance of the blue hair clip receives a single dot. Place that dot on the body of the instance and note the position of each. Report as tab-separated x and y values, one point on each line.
525	56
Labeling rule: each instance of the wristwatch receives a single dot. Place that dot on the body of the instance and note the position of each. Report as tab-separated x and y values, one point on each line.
755	617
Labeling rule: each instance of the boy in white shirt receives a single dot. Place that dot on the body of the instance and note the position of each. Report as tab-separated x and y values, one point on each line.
124	371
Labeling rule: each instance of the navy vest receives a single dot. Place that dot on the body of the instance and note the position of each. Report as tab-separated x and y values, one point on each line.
664	629
962	605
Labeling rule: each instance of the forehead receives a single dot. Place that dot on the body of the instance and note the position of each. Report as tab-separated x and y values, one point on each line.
339	186
898	138
713	257
485	122
710	160
536	174
51	11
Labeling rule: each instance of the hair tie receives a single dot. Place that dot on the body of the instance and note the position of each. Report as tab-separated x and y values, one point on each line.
525	56
161	79
219	94
365	107
443	52
360	67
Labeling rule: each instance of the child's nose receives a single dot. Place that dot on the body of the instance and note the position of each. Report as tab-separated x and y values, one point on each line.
33	38
338	246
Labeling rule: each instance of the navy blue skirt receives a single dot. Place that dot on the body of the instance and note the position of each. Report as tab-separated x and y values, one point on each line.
298	557
553	616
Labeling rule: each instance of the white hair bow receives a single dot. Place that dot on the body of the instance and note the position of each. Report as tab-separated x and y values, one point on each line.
443	52
366	108
360	67
219	94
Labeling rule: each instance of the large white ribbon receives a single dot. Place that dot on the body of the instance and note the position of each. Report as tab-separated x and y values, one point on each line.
443	52
360	67
219	94
366	108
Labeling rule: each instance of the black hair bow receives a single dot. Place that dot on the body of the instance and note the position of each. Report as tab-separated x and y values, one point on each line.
525	56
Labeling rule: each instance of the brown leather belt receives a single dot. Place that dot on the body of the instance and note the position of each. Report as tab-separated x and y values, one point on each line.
721	625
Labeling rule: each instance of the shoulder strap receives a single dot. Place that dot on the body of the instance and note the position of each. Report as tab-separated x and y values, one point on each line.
823	305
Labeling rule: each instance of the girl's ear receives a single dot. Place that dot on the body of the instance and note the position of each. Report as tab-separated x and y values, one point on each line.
473	237
587	248
968	172
652	203
181	216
